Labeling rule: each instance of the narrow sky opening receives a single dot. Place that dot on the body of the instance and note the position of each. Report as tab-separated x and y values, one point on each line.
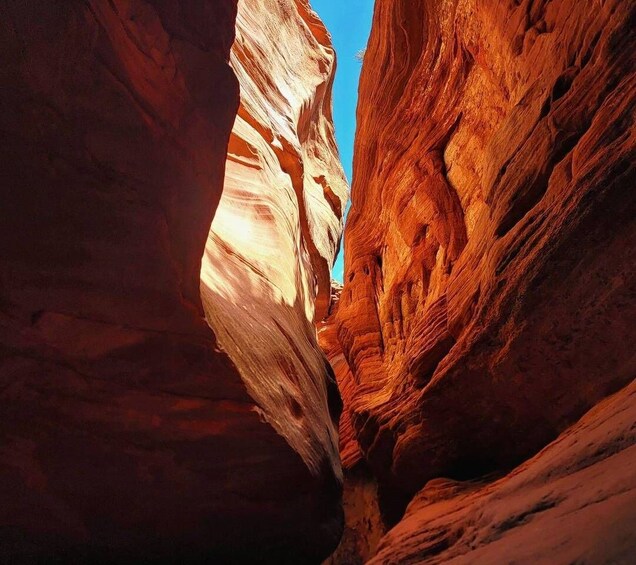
349	22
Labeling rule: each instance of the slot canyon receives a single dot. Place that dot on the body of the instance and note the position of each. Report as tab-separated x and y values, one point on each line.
181	380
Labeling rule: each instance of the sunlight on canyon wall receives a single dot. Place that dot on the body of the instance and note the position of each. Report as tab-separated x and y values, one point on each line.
127	433
266	269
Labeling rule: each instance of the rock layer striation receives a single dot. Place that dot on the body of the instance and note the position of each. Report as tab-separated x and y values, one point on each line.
575	501
488	299
266	268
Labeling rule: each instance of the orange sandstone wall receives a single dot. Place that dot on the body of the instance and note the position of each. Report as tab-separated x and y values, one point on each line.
488	299
575	501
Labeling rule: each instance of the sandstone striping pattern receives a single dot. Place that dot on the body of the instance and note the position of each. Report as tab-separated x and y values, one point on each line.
489	276
575	501
266	268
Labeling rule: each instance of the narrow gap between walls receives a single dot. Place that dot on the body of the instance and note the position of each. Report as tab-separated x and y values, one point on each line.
349	24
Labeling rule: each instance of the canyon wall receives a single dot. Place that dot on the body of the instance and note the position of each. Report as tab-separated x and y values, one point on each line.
574	502
267	264
488	299
127	431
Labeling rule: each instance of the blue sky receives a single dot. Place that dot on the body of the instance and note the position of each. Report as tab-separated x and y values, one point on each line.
349	22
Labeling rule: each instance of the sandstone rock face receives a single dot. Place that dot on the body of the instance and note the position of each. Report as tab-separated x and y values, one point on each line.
574	502
350	453
266	268
364	524
489	277
126	433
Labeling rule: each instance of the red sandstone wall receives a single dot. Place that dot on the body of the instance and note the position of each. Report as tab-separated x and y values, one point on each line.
266	268
125	431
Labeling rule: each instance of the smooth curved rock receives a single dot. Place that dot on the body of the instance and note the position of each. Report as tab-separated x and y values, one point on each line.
126	433
489	284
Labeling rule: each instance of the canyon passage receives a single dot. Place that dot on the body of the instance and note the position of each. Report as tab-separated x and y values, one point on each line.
180	379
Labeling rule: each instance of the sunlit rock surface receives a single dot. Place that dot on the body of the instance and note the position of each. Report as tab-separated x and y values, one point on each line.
126	433
574	502
266	268
488	299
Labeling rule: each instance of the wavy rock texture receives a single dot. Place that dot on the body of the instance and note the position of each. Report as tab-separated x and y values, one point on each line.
266	269
350	453
364	525
125	432
489	282
574	502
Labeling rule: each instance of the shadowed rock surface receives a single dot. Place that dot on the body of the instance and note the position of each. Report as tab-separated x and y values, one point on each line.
364	524
574	502
488	301
126	433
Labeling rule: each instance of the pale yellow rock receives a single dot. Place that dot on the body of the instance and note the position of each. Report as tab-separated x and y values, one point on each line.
265	272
